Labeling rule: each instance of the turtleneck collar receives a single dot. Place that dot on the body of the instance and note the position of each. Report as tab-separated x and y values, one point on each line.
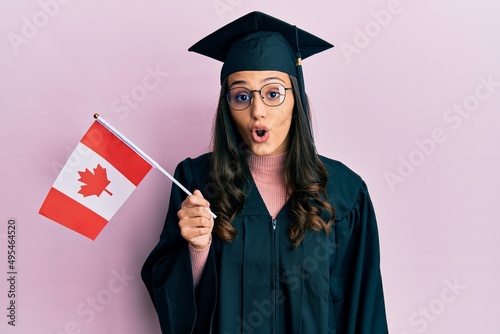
266	163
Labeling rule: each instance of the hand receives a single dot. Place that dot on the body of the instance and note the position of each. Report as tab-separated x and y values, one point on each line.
195	221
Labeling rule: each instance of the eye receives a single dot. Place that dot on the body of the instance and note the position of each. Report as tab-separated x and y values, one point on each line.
273	95
273	92
241	97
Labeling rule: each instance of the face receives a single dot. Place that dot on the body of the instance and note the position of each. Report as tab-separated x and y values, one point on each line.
264	129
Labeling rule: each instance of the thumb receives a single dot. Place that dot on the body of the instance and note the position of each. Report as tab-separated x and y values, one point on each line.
198	193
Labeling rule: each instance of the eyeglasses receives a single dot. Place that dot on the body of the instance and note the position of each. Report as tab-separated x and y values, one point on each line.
273	95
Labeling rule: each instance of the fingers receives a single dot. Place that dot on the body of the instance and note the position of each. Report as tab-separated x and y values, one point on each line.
195	200
194	206
195	222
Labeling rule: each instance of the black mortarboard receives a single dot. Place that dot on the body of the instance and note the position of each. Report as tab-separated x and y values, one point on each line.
258	41
261	42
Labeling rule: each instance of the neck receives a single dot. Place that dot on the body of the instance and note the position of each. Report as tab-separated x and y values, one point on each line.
267	172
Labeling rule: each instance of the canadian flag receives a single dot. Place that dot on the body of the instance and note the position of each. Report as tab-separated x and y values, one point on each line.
97	179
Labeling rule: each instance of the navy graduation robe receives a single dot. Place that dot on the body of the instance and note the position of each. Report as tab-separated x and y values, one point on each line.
258	283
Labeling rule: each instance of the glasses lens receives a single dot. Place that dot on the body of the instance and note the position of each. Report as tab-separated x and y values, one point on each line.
239	98
273	94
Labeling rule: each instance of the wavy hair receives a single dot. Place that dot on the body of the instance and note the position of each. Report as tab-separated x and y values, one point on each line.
304	174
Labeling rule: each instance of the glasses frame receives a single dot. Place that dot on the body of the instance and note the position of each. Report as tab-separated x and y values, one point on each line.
260	94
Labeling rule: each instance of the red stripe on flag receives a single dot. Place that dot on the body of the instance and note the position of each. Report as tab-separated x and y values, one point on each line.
116	152
68	212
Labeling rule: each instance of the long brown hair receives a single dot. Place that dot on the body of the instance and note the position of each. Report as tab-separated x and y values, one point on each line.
304	174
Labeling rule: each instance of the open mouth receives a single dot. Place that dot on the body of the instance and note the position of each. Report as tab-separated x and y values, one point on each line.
260	132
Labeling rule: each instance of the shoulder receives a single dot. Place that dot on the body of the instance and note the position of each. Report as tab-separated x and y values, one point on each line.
343	187
341	177
341	171
196	164
195	170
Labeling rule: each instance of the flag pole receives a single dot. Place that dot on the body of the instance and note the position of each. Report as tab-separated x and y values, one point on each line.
144	156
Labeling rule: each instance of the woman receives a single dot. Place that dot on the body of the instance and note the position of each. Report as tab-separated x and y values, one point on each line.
294	247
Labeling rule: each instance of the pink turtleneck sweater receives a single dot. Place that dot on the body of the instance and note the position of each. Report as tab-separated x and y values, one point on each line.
267	172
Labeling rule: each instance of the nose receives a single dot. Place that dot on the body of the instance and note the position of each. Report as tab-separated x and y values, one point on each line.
257	107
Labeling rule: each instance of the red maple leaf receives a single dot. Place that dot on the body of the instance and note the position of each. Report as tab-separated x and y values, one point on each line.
95	183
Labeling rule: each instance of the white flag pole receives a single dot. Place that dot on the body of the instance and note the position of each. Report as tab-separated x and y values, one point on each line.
145	156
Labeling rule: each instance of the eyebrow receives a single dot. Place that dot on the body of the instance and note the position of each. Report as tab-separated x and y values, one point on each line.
242	82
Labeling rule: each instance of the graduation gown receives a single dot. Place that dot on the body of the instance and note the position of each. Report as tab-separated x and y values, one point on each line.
258	283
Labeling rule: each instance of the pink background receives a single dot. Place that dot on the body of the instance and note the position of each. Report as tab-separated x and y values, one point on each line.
386	102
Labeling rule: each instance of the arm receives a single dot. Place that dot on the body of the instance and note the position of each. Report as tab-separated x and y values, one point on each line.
167	271
357	284
198	261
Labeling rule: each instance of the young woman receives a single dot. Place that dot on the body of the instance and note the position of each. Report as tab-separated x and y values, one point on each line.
294	247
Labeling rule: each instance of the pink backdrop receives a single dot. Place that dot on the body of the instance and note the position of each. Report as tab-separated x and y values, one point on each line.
409	98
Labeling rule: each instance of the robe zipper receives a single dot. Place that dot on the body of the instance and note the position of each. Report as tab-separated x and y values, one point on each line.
275	262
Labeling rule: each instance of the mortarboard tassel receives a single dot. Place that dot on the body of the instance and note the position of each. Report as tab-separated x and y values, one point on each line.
300	78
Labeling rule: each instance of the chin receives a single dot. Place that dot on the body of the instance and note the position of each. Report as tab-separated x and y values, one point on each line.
264	151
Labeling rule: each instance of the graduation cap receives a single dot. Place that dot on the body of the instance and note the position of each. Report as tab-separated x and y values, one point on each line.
259	42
